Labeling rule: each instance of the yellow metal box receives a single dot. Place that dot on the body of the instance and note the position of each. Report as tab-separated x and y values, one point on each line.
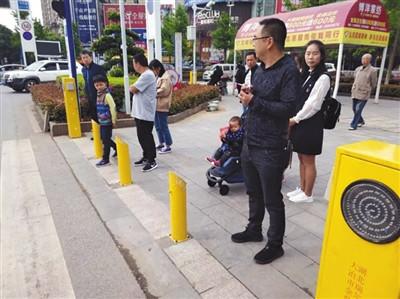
361	248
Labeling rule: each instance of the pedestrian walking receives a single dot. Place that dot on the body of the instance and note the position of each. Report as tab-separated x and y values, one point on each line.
144	110
365	80
271	101
164	98
89	70
307	126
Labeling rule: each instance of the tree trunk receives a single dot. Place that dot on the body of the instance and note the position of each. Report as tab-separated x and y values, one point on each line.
392	55
225	58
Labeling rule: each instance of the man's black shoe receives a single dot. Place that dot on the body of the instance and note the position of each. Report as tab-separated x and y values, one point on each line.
247	236
268	254
140	162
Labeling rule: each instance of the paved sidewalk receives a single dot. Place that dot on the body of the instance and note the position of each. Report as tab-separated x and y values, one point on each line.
210	265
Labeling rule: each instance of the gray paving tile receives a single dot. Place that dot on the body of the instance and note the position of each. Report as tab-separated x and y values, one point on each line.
264	281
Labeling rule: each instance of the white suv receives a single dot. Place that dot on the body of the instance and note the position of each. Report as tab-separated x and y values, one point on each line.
227	69
37	72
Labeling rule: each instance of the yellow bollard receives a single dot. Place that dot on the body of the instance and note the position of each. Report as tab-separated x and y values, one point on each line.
97	145
71	107
190	77
177	198
124	162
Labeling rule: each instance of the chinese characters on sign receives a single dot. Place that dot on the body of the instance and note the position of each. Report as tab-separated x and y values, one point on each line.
86	18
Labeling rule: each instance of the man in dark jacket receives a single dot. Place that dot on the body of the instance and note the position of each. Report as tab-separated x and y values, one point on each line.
251	63
89	70
272	100
216	75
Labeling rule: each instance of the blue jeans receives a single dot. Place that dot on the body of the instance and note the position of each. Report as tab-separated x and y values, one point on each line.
358	106
263	171
161	124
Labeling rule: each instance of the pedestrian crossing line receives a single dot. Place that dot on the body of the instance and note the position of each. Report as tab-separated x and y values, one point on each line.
32	262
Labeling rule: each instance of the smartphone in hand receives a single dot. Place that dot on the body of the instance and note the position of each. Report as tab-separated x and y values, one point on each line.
246	88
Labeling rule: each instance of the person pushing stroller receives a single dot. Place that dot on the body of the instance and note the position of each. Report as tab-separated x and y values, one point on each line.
232	140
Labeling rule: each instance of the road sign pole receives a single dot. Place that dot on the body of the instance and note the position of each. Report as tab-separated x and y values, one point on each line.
71	47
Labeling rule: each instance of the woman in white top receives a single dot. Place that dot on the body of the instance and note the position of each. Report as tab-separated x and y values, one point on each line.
306	127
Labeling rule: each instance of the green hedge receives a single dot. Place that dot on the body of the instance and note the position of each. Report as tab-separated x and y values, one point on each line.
192	96
49	97
116	87
389	90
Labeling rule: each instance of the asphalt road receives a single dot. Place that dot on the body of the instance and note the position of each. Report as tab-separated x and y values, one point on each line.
16	117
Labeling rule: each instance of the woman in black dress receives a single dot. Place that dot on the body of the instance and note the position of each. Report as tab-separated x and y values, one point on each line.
306	127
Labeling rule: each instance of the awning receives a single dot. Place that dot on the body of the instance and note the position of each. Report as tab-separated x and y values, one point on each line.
357	22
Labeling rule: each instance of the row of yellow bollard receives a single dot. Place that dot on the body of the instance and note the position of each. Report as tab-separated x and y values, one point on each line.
177	186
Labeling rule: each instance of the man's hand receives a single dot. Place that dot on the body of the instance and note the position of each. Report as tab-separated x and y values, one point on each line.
245	97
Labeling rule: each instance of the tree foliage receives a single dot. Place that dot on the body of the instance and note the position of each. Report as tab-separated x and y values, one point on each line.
174	22
110	42
223	37
393	9
9	45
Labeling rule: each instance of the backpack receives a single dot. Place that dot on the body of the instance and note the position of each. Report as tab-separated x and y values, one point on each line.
330	111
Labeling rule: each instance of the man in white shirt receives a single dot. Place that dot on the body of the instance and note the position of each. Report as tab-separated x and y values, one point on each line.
144	110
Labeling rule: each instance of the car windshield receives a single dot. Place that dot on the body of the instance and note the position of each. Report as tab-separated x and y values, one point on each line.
34	66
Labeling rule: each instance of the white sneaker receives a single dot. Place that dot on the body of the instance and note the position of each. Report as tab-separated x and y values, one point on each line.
301	197
294	192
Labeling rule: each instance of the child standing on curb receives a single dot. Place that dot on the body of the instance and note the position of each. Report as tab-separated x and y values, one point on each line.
107	116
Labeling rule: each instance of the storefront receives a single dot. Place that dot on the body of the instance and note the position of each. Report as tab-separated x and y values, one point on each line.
354	22
206	22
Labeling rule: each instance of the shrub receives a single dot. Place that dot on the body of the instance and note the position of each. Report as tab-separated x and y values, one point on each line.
116	71
192	96
116	85
49	96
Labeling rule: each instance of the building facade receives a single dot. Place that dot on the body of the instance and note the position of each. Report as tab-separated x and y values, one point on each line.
50	17
206	20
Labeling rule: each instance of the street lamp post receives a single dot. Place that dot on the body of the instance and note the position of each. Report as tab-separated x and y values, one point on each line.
195	8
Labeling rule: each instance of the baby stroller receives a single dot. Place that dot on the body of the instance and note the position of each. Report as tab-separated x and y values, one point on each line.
230	172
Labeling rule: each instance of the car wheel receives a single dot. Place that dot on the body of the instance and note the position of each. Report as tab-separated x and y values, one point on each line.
29	84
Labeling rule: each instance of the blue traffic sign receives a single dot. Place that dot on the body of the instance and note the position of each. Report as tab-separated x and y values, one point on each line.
27	35
23	5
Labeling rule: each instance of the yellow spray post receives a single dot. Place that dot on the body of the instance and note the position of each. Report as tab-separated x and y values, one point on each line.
71	108
360	251
97	146
124	162
177	198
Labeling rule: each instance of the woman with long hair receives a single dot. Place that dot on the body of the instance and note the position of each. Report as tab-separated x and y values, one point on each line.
306	127
164	98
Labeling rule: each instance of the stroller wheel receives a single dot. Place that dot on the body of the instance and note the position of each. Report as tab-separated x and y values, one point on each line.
224	189
211	183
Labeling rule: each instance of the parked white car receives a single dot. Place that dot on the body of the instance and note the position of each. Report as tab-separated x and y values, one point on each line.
37	72
227	69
